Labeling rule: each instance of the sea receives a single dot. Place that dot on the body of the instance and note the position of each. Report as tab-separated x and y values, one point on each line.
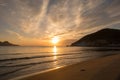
18	61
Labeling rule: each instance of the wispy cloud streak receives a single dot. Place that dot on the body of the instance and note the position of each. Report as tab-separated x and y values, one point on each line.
69	19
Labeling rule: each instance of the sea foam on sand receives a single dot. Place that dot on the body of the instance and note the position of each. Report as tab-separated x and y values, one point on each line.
105	68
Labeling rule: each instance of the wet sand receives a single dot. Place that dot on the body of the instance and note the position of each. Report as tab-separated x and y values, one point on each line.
106	68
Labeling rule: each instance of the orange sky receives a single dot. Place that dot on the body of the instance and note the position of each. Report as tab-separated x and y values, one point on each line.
36	22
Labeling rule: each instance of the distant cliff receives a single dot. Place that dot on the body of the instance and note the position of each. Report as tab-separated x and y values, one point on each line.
6	43
104	38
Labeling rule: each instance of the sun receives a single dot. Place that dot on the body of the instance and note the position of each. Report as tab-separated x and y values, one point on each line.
55	39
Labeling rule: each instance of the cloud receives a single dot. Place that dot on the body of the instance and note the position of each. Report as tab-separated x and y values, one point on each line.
15	34
69	19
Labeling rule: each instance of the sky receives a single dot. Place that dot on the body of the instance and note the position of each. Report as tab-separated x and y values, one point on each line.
35	22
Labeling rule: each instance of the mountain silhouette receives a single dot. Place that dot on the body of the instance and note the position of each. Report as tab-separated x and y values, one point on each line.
103	38
6	43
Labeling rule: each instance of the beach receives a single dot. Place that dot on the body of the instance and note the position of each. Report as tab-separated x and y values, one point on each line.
104	68
59	39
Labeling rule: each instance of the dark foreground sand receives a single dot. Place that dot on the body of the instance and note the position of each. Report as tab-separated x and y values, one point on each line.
106	68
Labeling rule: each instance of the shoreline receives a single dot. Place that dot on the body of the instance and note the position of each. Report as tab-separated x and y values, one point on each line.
36	73
104	68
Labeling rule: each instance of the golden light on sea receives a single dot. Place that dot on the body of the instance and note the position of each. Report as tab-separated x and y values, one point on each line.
55	64
55	50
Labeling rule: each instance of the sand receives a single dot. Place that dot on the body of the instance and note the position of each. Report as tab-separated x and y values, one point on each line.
106	68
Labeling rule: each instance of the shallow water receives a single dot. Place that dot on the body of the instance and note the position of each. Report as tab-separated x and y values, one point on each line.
18	61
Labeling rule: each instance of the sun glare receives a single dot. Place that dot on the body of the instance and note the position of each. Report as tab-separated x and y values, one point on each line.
55	39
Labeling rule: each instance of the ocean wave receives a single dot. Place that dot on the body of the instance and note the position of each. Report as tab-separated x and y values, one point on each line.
32	57
49	61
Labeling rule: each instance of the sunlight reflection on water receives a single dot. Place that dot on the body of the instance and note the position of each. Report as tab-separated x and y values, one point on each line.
55	50
55	56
